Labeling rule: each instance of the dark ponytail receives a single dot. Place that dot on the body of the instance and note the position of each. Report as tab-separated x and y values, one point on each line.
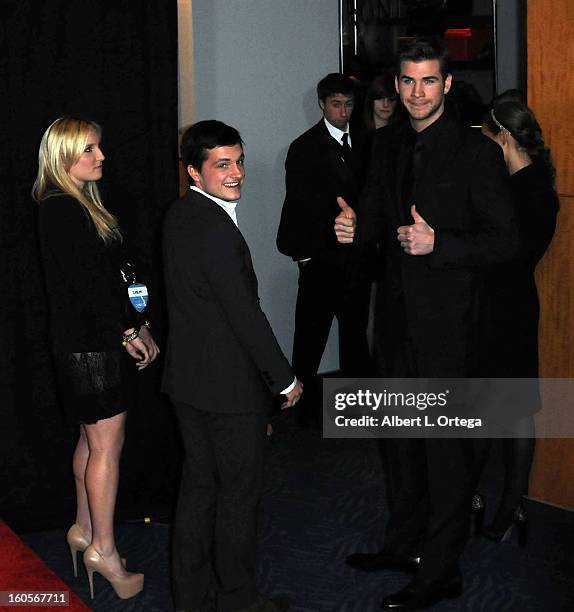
520	121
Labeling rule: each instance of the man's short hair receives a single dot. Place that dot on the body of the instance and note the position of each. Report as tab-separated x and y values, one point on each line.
422	49
203	136
335	83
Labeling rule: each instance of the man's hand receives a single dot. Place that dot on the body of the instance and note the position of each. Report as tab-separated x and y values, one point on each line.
139	350
143	348
293	396
147	339
345	222
416	239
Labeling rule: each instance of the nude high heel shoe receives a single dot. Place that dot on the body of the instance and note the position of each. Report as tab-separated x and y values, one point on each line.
77	542
125	585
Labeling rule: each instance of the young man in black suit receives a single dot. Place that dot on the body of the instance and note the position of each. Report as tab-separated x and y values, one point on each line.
438	200
223	367
323	163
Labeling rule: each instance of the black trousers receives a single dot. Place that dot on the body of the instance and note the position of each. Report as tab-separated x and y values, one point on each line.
216	516
327	289
429	486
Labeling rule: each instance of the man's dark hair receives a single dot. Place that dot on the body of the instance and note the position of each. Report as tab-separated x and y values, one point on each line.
335	83
425	48
203	136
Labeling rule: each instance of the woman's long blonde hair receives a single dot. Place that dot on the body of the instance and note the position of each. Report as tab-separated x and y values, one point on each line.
62	145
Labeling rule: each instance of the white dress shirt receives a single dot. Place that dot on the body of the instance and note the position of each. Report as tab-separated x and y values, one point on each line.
337	134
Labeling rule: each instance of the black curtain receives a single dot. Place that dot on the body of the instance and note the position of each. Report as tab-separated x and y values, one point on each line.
114	62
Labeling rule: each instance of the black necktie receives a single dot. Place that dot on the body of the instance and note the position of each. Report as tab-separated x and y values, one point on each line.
417	161
411	176
346	147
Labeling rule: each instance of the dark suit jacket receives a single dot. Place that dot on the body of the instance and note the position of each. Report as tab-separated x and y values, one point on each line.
433	302
315	174
222	355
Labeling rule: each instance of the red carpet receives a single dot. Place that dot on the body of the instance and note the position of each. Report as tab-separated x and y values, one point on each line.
22	570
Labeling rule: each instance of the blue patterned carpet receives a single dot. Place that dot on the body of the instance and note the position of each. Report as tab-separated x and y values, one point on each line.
323	500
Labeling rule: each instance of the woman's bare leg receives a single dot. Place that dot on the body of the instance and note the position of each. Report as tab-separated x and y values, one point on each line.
79	463
105	441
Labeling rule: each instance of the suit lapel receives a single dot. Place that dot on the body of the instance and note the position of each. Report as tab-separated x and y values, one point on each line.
198	199
346	172
356	156
212	209
329	144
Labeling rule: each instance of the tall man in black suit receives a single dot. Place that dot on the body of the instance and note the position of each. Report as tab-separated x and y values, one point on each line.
323	163
438	199
223	367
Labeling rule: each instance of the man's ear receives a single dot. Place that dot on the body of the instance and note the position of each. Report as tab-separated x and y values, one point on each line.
322	105
447	83
194	174
397	84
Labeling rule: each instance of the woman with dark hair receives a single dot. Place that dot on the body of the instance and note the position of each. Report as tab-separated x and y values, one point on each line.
95	333
380	102
510	95
514	298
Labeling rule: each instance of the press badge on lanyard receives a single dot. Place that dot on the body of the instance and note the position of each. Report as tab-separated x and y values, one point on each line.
137	293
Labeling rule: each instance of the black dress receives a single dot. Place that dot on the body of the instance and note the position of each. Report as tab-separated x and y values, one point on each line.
514	305
89	309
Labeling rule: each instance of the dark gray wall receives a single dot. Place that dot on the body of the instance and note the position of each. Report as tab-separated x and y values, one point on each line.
510	47
256	64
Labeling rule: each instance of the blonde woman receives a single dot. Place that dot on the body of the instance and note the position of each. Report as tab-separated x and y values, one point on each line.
98	340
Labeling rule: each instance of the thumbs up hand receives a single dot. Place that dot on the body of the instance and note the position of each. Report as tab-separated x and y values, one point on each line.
418	238
345	222
415	215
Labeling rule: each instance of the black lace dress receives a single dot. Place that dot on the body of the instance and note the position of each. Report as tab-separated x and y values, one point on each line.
89	310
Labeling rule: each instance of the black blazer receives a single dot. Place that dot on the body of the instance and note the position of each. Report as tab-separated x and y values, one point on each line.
315	174
222	355
434	301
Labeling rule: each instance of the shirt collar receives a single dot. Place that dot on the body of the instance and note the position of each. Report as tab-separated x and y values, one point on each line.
429	135
336	133
228	207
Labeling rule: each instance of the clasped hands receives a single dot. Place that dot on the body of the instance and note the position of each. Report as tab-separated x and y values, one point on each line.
415	239
143	348
293	396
